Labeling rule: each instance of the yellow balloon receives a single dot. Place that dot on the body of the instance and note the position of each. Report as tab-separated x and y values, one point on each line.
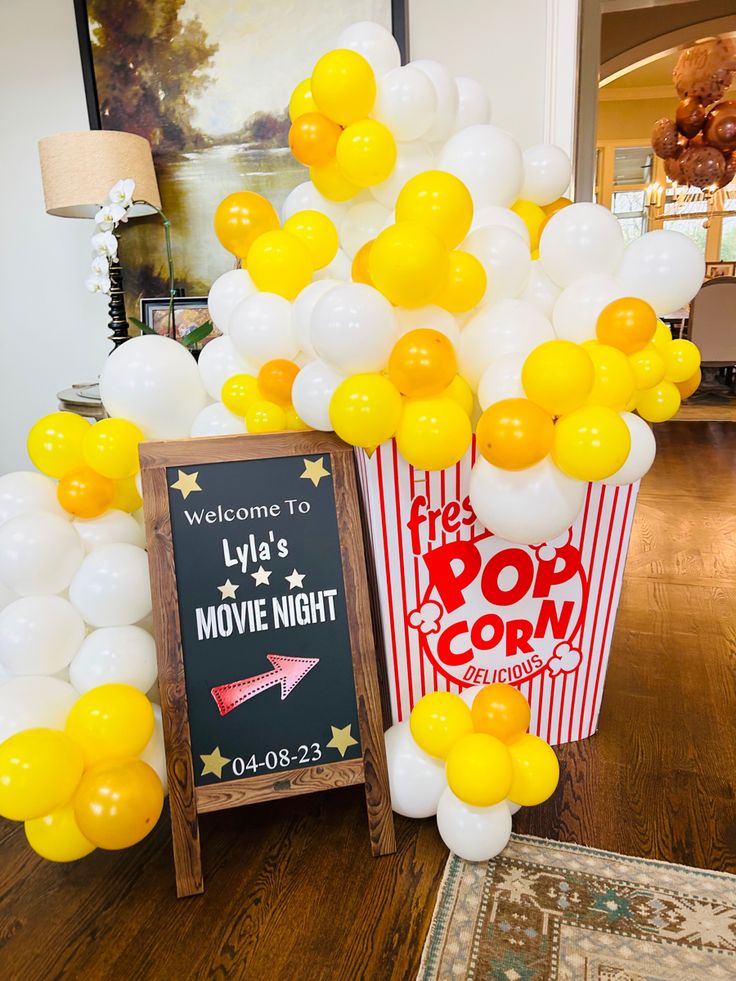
681	360
408	264
294	422
263	416
55	443
238	391
56	836
659	403
591	443
434	433
536	771
558	376
301	100
110	722
479	769
465	285
365	410
461	392
438	720
662	335
111	448
647	366
125	496
534	219
366	152
343	86
39	771
280	263
317	232
614	376
332	183
439	201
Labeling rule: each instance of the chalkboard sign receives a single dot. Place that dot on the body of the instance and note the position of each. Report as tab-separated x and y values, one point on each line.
263	627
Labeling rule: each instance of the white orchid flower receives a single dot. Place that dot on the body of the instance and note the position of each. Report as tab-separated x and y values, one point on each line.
105	243
97	284
101	265
122	193
109	216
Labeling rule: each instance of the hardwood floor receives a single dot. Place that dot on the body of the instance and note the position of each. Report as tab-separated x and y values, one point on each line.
292	892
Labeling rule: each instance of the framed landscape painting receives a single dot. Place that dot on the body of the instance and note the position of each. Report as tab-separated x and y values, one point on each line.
208	83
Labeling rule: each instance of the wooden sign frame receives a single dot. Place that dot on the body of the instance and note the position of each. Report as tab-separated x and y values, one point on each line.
186	800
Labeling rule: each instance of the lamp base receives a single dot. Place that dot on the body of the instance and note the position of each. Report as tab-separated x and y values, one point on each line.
118	321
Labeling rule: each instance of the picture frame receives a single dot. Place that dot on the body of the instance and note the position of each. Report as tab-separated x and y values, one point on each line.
189	312
717	270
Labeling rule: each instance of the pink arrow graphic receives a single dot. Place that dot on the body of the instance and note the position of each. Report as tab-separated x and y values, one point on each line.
287	672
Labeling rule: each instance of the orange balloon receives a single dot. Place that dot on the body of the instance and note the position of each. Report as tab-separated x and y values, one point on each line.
313	139
501	711
628	324
692	384
423	362
240	218
275	380
514	434
360	272
85	493
118	803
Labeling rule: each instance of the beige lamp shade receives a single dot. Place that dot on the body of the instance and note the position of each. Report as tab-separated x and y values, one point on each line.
78	170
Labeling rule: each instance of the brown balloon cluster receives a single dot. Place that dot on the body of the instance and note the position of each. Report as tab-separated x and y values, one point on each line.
698	146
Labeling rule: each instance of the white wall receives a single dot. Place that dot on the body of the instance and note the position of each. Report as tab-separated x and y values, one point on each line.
53	332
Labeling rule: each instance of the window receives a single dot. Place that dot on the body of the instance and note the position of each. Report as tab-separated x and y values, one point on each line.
628	207
632	165
728	233
692	227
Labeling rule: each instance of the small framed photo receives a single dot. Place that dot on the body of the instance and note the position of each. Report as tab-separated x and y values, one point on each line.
189	312
715	270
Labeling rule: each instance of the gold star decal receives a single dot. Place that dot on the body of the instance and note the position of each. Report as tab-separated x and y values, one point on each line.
314	470
261	576
296	580
213	763
228	589
341	739
187	483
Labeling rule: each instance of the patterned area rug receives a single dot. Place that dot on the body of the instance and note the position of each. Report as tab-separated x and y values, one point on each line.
545	910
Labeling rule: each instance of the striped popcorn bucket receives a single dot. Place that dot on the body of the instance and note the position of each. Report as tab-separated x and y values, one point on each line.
461	607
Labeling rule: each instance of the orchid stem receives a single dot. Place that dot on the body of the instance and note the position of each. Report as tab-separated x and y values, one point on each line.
170	325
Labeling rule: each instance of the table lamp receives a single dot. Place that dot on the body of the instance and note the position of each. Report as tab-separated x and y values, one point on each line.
78	170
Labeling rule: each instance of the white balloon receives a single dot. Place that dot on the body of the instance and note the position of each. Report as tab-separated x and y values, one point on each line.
39	634
302	310
416	779
513	808
641	455
25	490
112	526
505	258
474	106
547	172
34	702
664	268
111	588
525	506
260	328
219	361
6	596
153	381
411	159
501	380
115	655
540	290
430	316
406	102
361	224
312	392
494	214
446	93
578	306
225	294
476	834
306	197
340	268
468	694
507	327
216	420
39	553
578	240
354	328
154	753
377	45
488	160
